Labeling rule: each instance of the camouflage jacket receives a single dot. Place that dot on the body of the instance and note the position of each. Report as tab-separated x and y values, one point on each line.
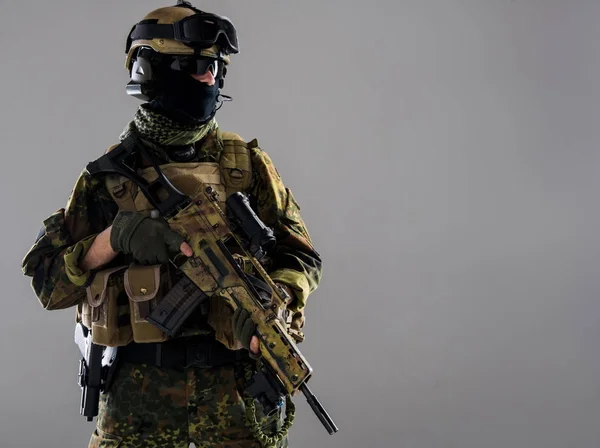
67	234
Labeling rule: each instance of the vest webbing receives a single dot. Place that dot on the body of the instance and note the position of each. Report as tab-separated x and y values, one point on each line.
235	169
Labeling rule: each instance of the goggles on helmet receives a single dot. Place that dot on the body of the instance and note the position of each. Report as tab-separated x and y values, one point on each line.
201	30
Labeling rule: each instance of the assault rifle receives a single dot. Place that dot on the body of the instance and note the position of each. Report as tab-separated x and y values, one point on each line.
212	270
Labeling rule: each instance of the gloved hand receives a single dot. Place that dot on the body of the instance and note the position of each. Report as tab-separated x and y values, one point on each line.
148	240
244	330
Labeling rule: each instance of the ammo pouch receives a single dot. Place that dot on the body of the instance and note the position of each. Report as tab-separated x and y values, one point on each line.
118	302
145	287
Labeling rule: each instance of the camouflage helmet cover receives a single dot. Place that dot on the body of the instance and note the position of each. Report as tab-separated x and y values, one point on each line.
169	15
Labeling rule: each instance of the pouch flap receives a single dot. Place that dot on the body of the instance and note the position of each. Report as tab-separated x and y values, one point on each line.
142	282
96	291
241	161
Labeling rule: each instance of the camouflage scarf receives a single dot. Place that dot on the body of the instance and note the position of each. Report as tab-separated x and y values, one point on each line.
158	129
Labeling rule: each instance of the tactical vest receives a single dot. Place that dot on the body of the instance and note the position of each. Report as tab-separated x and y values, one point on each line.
119	299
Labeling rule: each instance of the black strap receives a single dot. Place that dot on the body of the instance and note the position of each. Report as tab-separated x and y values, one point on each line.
195	351
116	162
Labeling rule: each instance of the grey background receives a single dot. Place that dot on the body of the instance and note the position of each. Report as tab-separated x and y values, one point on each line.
444	155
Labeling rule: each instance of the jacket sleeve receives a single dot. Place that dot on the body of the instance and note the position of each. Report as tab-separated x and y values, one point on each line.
295	261
63	241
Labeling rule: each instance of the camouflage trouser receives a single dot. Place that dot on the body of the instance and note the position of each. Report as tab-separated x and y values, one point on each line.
148	406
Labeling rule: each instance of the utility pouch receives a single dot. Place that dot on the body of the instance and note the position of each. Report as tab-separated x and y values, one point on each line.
145	286
102	312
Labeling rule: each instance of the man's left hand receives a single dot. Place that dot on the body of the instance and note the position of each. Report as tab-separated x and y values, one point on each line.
244	327
244	330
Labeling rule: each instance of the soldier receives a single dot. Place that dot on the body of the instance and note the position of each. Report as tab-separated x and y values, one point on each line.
105	255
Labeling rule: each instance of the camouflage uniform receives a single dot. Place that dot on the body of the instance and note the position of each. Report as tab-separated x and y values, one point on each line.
149	406
155	406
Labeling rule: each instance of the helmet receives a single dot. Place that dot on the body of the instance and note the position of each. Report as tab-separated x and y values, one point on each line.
176	34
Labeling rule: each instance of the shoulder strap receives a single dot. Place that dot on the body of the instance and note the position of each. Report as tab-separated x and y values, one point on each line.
235	162
121	189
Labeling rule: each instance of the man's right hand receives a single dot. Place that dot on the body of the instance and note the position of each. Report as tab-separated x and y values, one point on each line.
148	240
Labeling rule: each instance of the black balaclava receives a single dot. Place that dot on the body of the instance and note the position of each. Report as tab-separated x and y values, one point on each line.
184	98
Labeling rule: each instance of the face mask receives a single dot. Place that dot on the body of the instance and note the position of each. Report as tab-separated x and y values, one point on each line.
183	95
